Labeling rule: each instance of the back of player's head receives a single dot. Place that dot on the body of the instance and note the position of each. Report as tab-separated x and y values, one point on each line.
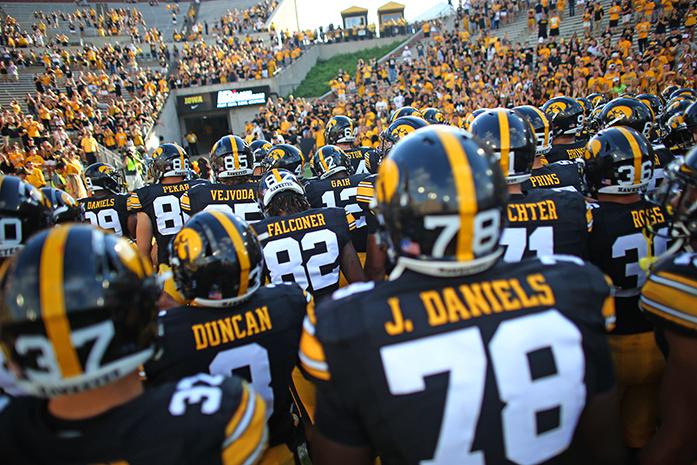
64	208
511	138
330	160
619	160
630	112
540	124
260	149
231	158
280	190
441	196
287	157
405	111
565	114
398	129
102	177
216	259
169	160
340	130
78	310
24	211
433	115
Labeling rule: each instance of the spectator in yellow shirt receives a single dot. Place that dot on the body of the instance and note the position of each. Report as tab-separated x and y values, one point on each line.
89	147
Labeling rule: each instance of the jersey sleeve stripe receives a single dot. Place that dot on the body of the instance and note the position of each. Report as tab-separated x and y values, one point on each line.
245	402
311	354
133	202
247	448
679	299
185	202
668	313
678	279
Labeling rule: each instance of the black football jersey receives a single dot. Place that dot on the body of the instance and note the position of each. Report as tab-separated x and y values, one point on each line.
306	247
240	200
566	151
341	193
161	203
109	212
356	156
202	419
669	296
256	340
492	368
563	174
618	243
364	196
546	222
661	158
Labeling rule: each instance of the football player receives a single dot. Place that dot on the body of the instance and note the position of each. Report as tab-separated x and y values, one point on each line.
303	244
259	148
433	115
669	297
64	208
77	320
563	174
341	131
232	324
565	115
619	164
235	189
24	211
463	358
540	221
336	186
105	205
287	157
157	206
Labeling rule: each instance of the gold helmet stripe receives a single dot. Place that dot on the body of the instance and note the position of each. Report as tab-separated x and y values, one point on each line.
505	138
467	196
276	175
240	249
545	121
181	155
636	152
52	298
235	152
322	161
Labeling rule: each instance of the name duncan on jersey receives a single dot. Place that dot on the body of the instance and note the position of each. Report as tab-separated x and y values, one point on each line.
296	224
449	305
546	210
232	328
97	204
220	195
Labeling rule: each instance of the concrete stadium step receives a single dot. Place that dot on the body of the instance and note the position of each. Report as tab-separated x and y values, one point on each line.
158	16
211	11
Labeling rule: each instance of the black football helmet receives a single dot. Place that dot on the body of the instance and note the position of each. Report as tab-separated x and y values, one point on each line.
260	148
216	259
675	107
586	104
405	111
340	130
78	310
683	91
668	91
274	182
677	137
690	117
540	124
64	208
653	102
330	160
433	115
287	157
103	177
596	99
470	117
511	138
170	160
231	157
24	211
619	160
398	129
565	114
629	112
677	194
440	201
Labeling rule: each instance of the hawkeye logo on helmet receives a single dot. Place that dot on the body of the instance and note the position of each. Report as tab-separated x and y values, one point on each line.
556	107
104	169
619	113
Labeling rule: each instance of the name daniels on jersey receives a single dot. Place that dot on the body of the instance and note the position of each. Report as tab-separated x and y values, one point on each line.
545	180
174	188
221	195
546	210
233	328
647	217
451	304
296	224
97	204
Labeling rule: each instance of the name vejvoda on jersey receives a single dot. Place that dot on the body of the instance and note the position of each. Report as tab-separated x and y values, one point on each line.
296	224
454	304
236	195
545	210
97	204
231	328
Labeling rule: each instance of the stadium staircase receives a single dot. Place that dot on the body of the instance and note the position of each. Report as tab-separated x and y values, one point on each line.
17	89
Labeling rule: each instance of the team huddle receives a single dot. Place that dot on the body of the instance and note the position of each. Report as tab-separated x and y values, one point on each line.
522	290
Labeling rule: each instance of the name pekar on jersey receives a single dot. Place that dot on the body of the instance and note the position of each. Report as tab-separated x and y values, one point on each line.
306	247
491	368
237	199
109	213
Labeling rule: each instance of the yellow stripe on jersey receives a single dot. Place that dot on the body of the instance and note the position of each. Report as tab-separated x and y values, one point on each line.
608	309
673	302
311	354
185	202
240	249
636	152
133	202
676	277
247	442
365	192
467	196
51	270
505	137
351	221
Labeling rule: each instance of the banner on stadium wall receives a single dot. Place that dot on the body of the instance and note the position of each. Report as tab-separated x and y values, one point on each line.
223	99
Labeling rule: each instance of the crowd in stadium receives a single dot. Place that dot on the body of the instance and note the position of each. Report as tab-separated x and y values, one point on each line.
485	254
